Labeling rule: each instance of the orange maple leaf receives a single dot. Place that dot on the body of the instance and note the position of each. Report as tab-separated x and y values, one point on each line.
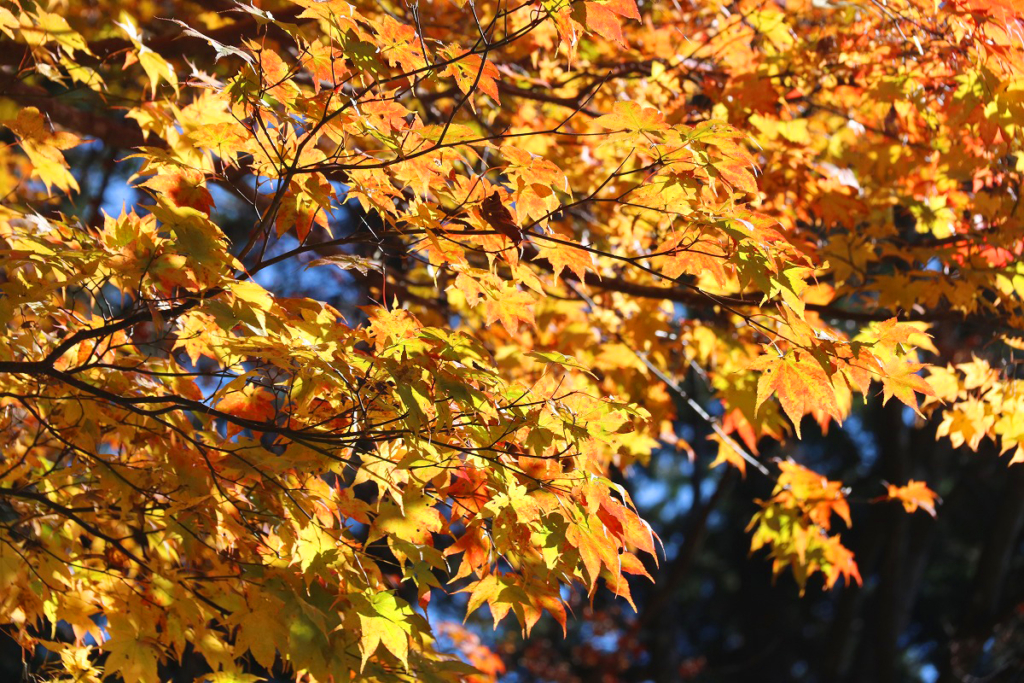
899	380
800	383
914	495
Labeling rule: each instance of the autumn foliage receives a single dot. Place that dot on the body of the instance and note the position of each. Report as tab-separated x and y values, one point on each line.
553	212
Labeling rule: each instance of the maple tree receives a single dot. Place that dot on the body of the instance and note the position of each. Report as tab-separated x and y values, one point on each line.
553	212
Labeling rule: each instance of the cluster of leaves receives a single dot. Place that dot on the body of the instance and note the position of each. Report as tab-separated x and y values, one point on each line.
982	402
562	209
795	524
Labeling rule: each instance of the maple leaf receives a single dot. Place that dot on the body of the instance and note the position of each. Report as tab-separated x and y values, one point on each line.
390	326
184	187
44	148
535	180
891	332
563	256
399	44
840	563
738	173
697	255
509	306
260	630
624	8
899	379
327	65
45	26
633	122
471	70
603	22
305	204
133	658
252	403
384	622
415	520
800	383
914	495
499	591
728	454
